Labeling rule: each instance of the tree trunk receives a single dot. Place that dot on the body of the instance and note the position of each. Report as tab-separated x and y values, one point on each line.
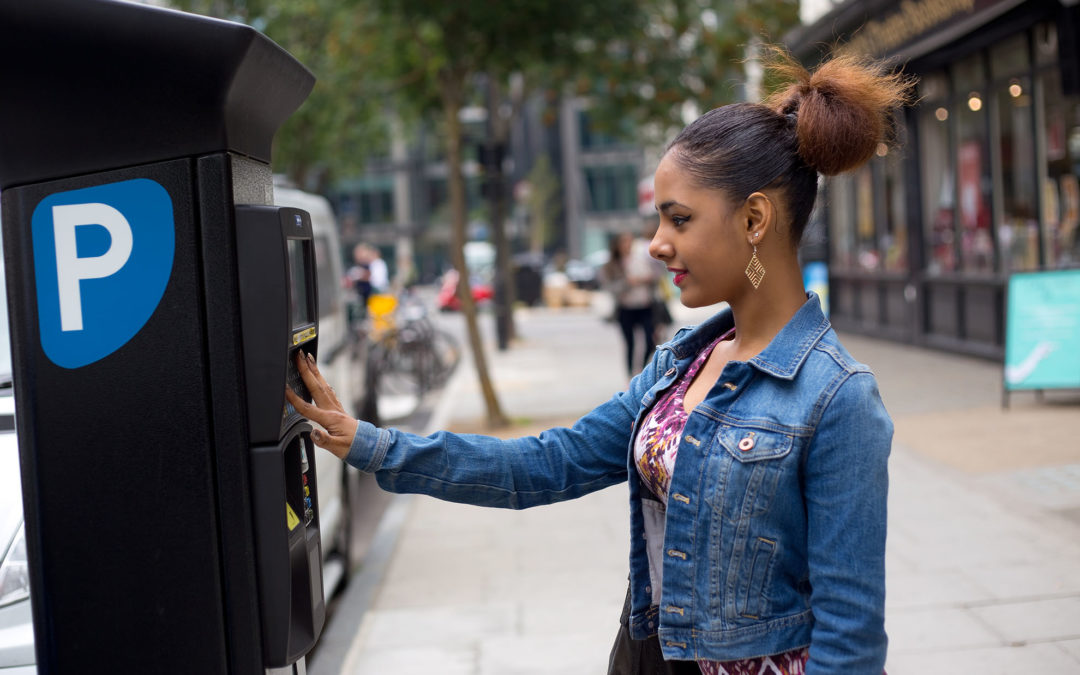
451	97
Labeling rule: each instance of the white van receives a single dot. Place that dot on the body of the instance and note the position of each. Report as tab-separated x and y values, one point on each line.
335	482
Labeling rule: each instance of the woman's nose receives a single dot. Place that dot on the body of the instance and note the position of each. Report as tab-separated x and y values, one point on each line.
659	248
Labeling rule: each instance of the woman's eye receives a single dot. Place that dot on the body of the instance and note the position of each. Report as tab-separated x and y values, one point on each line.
679	221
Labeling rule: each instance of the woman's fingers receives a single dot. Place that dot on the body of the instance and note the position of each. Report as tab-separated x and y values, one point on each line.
330	393
306	409
338	428
316	383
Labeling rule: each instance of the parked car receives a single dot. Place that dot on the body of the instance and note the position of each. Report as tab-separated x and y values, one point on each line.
447	298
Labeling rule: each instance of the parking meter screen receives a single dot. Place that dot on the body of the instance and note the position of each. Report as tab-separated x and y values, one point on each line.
299	292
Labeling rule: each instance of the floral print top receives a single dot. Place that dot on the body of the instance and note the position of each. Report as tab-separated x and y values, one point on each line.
655	450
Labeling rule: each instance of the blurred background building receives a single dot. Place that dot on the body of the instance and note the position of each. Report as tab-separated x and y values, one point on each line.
595	174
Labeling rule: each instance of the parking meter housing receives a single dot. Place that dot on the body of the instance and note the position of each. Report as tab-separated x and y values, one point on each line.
129	137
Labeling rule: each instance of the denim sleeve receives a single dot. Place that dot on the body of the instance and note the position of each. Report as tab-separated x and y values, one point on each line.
846	494
559	464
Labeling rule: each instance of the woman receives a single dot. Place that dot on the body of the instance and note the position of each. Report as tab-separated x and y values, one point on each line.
761	549
632	286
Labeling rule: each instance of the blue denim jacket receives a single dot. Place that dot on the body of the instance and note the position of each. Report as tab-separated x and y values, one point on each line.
775	524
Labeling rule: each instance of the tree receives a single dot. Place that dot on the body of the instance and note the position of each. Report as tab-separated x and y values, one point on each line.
437	47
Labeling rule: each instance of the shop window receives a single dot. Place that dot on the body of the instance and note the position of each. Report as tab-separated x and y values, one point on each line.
867	256
1018	226
1060	184
938	188
841	210
893	237
860	239
973	178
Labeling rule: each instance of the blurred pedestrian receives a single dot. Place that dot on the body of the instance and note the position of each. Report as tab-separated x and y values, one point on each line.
632	286
359	274
368	274
754	445
379	274
661	315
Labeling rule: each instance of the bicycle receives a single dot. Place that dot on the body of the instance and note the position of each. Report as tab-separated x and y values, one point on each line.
407	356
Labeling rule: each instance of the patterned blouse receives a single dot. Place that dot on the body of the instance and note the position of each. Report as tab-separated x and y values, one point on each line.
655	449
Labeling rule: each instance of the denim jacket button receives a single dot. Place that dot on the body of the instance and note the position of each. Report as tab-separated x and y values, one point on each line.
746	444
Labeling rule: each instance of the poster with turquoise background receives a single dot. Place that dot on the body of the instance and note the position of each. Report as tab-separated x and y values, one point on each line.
1042	331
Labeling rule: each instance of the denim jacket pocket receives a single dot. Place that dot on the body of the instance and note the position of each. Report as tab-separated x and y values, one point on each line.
753	444
752	460
755	469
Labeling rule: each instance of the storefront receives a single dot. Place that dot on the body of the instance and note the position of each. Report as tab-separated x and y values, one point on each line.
985	183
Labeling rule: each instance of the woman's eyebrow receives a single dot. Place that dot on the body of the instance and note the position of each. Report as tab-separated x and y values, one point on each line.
666	206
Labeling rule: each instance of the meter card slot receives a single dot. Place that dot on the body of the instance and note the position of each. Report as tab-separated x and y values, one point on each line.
300	486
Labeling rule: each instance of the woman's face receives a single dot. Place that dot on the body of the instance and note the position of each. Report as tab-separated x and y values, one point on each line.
701	238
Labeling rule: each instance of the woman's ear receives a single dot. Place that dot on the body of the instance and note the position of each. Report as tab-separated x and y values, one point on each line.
760	215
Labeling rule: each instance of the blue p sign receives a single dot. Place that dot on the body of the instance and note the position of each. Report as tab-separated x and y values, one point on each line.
102	258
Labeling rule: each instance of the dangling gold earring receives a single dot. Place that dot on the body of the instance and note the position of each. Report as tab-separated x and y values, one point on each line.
755	271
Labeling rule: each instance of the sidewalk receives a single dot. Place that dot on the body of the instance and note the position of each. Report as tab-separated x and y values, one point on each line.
984	538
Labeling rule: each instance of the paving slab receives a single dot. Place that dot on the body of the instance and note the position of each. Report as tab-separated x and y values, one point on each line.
1042	620
1043	658
938	630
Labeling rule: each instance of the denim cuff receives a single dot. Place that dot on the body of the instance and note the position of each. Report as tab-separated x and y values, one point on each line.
368	447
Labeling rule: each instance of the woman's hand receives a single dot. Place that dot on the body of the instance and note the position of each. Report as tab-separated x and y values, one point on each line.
328	412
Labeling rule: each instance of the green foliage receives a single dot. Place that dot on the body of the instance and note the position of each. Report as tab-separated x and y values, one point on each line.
687	58
338	127
646	62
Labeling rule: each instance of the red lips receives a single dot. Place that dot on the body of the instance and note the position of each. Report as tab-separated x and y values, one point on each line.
679	275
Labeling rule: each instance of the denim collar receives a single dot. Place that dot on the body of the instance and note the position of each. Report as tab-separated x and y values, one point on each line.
783	356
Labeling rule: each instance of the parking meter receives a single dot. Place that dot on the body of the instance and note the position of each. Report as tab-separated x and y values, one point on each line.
156	303
284	306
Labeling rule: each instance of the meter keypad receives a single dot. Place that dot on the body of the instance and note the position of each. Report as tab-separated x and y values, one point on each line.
296	383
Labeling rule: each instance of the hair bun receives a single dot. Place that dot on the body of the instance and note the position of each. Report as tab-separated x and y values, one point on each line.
843	108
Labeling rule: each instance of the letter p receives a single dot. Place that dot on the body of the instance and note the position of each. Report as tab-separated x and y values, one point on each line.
71	269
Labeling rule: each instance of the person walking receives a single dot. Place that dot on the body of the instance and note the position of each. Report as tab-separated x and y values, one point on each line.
632	285
754	446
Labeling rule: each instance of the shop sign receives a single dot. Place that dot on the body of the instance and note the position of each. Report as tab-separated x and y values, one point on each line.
1042	331
911	20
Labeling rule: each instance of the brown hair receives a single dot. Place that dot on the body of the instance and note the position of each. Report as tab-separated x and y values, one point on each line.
843	108
826	122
